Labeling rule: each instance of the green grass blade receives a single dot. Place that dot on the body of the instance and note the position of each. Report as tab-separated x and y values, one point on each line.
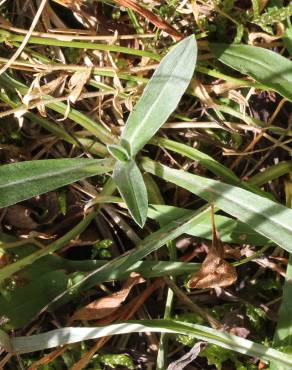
230	230
207	161
24	180
81	45
161	95
283	333
14	267
263	215
83	120
271	173
265	66
47	279
150	244
70	335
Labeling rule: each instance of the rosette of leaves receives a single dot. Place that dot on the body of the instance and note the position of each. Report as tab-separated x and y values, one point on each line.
159	99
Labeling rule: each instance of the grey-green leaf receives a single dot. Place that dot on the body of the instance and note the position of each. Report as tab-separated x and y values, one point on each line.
23	180
270	219
161	95
130	183
265	66
118	152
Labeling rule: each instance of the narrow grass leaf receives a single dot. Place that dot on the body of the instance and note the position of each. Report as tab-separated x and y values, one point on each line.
287	39
283	333
265	66
70	335
24	180
208	162
130	183
55	262
270	219
271	173
161	95
118	266
14	267
230	230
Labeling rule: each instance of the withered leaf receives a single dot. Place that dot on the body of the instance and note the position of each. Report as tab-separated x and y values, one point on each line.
105	306
77	82
37	91
189	357
215	272
151	17
20	217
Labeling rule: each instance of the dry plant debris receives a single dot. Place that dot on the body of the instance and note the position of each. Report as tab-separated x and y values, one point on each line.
72	74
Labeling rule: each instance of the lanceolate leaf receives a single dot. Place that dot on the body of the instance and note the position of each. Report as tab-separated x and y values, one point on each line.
23	180
130	183
118	152
265	66
161	95
263	215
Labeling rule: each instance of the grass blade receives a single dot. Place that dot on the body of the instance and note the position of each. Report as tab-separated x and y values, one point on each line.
207	161
69	335
263	215
230	230
283	333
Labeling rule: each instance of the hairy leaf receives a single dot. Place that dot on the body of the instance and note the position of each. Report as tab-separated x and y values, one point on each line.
23	180
161	95
265	66
130	183
118	152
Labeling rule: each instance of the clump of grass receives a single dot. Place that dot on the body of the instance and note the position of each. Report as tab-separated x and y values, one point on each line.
147	142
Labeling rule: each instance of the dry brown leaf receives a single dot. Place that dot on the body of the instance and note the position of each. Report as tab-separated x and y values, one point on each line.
77	82
266	37
215	271
20	217
153	18
37	91
4	259
105	306
125	313
201	92
189	357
